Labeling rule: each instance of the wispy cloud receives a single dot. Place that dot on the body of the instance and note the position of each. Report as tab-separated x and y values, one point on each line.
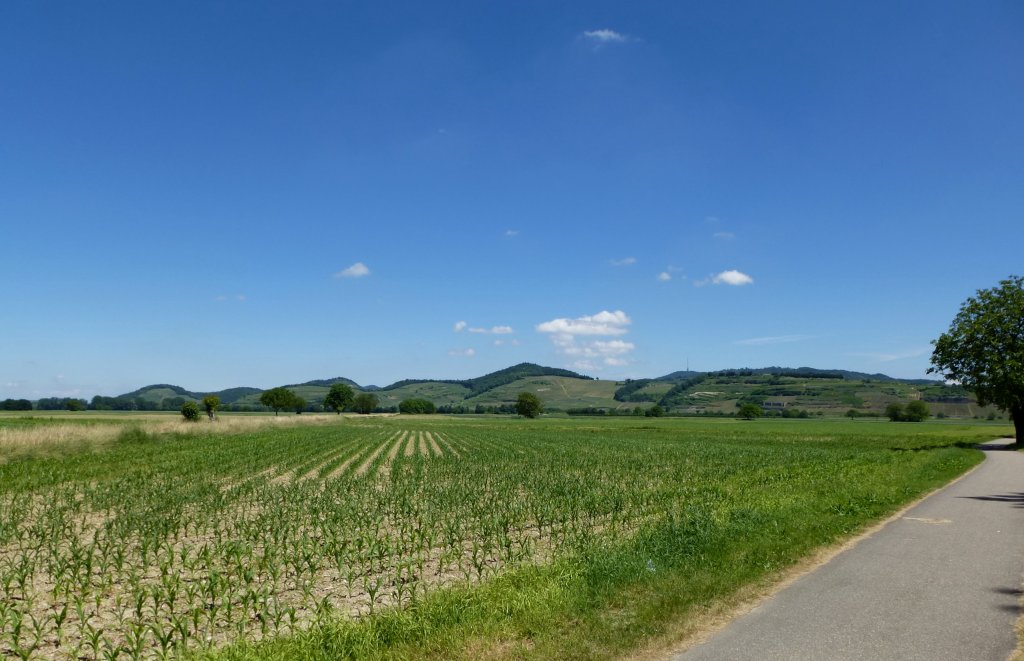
462	353
664	276
224	297
882	357
511	233
591	353
459	326
725	236
604	36
777	339
496	330
625	261
357	270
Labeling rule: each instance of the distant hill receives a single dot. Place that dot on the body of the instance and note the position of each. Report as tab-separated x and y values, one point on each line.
815	390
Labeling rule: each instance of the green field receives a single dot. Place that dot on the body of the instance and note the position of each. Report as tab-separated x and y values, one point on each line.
430	536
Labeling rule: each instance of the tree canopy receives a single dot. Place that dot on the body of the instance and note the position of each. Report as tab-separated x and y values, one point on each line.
983	349
529	405
365	403
277	399
211	403
417	405
339	398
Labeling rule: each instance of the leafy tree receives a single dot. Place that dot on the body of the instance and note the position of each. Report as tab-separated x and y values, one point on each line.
339	398
190	411
894	411
277	399
365	403
750	411
73	404
983	350
16	405
417	405
299	404
655	411
211	403
916	411
529	405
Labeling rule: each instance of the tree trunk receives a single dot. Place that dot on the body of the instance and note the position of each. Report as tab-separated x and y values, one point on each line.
1018	426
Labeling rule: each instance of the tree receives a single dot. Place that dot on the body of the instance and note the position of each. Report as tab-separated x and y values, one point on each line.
74	405
277	399
916	411
339	398
299	404
655	411
365	403
894	411
211	403
190	411
983	350
750	411
417	405
529	405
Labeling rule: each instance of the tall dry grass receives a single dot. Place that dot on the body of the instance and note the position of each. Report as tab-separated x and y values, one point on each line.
51	438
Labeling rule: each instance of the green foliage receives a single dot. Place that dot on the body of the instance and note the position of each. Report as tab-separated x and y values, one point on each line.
529	405
365	403
278	398
983	349
15	405
655	411
339	397
417	406
894	411
916	411
190	411
211	403
750	411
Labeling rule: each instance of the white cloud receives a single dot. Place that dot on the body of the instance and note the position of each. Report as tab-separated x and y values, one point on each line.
625	261
591	352
604	36
733	277
459	326
664	276
511	233
357	270
778	339
602	323
465	353
493	330
724	235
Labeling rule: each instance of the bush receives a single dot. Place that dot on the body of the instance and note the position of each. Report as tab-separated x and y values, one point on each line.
750	411
916	411
190	411
417	405
365	403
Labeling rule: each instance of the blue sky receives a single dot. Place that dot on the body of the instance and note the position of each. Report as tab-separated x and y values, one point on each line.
245	193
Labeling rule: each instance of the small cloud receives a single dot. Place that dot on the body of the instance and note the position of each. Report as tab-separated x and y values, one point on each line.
357	270
464	353
511	233
604	36
711	220
459	326
725	236
240	297
664	276
625	261
778	339
495	330
220	298
734	278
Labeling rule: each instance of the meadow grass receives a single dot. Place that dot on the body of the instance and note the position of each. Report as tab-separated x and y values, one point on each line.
431	536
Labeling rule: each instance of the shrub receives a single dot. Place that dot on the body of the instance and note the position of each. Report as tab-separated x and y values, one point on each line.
190	411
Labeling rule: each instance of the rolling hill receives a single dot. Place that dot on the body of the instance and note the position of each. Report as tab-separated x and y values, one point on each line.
777	389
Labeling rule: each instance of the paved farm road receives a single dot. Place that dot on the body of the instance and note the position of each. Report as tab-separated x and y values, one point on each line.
942	582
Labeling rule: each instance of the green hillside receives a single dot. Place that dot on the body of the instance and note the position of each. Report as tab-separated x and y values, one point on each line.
778	390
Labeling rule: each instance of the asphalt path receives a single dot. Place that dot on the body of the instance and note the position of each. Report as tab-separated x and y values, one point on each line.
943	581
